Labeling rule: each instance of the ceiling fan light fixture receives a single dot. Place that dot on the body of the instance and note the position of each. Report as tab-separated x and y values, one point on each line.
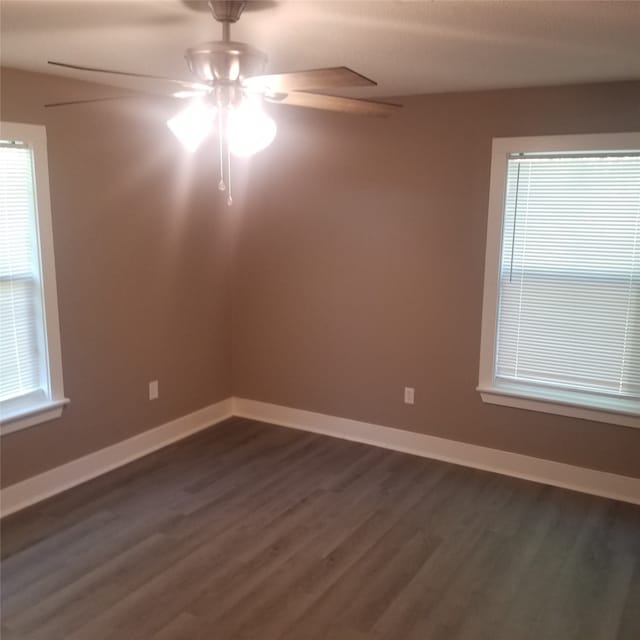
249	129
192	125
230	90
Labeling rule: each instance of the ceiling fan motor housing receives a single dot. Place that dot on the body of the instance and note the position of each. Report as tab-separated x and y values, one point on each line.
225	62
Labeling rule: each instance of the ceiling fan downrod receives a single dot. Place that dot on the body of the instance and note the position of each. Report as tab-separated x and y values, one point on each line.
226	12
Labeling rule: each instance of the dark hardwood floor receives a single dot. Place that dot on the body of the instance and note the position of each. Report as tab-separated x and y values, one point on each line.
249	531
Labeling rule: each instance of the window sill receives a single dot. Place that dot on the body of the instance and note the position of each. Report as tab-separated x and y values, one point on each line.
621	412
18	418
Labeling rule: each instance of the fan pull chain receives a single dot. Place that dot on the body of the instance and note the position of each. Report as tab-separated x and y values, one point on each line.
221	184
229	198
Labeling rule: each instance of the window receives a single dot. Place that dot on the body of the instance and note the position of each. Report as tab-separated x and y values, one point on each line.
561	316
30	362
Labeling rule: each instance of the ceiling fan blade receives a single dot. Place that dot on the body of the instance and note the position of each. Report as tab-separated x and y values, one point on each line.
329	78
182	83
107	98
335	103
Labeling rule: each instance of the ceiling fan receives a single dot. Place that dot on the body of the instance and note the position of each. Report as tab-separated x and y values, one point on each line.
230	87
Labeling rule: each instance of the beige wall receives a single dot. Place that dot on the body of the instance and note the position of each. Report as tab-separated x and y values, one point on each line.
359	267
142	259
359	253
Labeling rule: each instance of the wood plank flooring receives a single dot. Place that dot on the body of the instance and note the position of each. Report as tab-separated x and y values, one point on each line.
249	531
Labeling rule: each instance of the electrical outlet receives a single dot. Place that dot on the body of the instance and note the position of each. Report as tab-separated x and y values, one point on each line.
153	390
409	395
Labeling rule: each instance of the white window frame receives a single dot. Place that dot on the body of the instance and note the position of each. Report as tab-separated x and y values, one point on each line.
27	412
566	403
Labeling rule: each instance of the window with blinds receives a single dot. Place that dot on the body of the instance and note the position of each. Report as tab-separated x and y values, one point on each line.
567	302
22	361
31	389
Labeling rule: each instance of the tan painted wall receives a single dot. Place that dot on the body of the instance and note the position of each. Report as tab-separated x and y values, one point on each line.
359	267
142	259
359	252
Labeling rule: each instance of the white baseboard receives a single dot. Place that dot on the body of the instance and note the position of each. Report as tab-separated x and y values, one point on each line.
37	488
567	476
23	494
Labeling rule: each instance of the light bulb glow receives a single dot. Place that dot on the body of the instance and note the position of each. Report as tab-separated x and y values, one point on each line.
249	129
192	125
194	93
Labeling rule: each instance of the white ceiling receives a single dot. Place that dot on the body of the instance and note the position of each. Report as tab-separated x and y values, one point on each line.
408	47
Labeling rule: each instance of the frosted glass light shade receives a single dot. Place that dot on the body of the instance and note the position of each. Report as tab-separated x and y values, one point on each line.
192	125
249	129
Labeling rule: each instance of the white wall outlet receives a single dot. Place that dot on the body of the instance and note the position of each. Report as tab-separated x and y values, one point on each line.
153	390
409	395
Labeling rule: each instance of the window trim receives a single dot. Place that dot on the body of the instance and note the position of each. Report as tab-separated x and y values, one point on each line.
15	414
566	403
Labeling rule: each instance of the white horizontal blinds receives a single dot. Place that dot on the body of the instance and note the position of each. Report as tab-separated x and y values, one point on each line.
569	305
20	292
